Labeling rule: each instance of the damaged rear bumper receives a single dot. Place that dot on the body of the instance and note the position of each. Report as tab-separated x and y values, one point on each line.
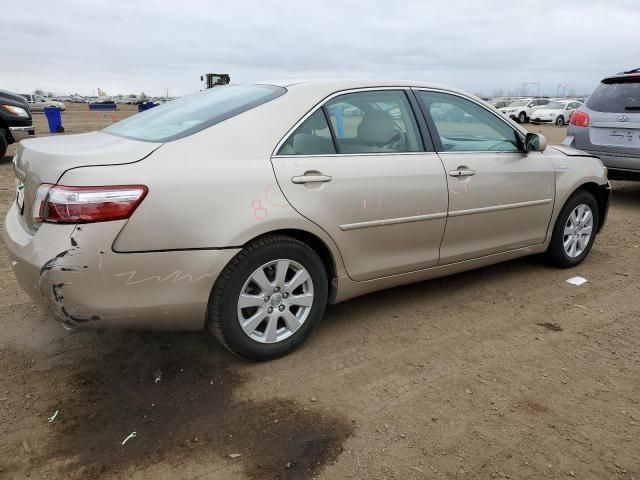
73	272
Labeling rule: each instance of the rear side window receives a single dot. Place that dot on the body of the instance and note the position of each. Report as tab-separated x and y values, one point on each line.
616	96
313	137
188	115
379	121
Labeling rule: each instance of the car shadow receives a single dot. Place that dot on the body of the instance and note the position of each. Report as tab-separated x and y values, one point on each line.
431	291
625	194
176	391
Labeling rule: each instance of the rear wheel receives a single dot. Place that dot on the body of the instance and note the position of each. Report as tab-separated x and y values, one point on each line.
3	145
269	298
522	117
560	120
574	231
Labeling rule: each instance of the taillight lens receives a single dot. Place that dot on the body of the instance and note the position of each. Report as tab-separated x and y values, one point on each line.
65	204
580	119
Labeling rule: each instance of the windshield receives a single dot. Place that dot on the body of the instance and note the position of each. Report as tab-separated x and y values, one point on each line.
616	96
518	103
555	106
188	115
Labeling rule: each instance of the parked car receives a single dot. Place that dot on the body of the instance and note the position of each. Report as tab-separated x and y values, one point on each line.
557	111
608	125
15	120
37	103
520	110
280	206
500	103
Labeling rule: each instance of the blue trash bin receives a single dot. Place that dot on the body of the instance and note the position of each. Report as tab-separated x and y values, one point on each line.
146	106
54	119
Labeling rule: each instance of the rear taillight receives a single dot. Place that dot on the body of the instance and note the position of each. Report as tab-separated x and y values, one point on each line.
579	119
65	204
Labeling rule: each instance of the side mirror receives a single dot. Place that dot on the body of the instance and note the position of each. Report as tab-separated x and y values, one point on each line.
535	142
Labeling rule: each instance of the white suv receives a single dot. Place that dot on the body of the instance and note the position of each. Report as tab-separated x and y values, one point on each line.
520	110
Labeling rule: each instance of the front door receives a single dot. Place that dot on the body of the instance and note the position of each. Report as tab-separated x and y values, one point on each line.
500	198
357	167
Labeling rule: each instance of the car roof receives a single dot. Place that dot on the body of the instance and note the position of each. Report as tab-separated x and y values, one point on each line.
629	73
334	85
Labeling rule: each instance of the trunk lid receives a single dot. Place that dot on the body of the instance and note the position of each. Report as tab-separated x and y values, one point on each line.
45	160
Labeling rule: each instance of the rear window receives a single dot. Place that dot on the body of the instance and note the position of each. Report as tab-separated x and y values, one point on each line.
188	115
617	96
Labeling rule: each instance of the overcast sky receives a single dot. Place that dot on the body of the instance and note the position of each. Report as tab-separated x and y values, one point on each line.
129	46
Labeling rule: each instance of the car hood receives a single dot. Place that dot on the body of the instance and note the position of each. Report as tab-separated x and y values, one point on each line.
572	152
9	98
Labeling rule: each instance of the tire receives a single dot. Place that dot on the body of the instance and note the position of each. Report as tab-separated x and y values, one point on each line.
557	253
522	117
560	120
3	145
256	340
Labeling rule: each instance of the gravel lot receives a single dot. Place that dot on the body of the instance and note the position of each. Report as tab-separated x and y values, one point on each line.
503	372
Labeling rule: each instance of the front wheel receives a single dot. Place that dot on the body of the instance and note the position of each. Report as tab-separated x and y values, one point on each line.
560	120
269	298
522	117
574	231
3	145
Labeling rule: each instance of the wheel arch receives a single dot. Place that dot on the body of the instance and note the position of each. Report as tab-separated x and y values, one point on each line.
317	245
601	193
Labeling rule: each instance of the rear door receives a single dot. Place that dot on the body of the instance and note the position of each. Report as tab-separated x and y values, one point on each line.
500	198
614	121
359	168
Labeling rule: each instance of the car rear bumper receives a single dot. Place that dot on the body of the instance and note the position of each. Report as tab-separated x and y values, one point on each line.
20	133
619	167
72	271
543	120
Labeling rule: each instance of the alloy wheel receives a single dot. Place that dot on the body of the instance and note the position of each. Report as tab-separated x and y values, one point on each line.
577	231
275	301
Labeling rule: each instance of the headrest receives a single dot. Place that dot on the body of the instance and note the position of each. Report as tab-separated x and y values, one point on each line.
377	128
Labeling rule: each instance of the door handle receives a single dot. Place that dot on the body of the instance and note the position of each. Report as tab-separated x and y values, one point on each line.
311	178
462	172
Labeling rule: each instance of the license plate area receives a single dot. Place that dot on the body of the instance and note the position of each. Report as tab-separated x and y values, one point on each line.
615	137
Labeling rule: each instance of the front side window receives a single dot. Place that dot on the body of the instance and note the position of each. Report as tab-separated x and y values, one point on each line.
313	137
379	121
464	126
188	115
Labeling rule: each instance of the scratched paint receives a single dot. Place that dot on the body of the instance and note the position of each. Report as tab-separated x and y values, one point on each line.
173	277
259	212
268	195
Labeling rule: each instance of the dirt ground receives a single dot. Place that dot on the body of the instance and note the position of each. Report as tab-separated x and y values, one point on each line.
503	372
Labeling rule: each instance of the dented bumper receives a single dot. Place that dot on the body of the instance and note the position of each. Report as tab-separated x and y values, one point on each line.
73	272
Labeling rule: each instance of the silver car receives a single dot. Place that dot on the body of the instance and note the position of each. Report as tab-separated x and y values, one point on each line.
608	125
249	208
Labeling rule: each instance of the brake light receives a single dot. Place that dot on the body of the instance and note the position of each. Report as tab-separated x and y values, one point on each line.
580	119
66	204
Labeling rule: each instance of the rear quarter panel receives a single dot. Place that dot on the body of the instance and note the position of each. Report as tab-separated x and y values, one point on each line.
214	189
